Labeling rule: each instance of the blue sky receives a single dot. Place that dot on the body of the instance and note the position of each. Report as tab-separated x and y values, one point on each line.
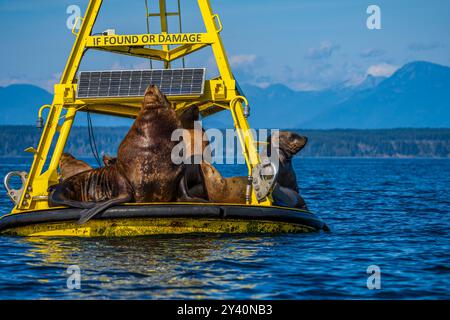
304	44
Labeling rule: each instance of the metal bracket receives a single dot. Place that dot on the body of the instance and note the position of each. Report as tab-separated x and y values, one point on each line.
77	21
264	176
15	194
217	18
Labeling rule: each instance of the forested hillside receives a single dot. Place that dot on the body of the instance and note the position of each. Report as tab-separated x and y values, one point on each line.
432	143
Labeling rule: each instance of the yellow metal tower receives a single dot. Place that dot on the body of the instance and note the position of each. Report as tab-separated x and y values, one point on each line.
219	94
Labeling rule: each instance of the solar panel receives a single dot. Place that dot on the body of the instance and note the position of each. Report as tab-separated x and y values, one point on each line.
110	84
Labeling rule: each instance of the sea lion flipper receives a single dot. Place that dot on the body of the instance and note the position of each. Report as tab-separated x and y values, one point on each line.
56	198
88	214
191	199
286	197
184	195
191	187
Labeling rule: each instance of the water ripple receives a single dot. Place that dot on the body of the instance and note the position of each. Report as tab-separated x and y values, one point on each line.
384	212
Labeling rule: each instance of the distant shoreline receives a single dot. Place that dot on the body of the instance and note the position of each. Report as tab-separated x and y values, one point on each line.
401	143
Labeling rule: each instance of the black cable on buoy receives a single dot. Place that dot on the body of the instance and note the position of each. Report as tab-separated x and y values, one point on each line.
92	142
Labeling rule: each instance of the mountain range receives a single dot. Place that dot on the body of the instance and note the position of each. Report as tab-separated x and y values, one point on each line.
416	95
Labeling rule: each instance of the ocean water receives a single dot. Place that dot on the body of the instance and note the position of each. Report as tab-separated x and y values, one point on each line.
389	213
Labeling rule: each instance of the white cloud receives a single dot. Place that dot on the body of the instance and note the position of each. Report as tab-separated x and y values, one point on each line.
240	60
44	83
381	70
49	85
303	86
420	46
325	50
249	68
372	53
11	81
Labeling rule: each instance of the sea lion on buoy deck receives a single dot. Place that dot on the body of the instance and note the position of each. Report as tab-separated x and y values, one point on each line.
143	171
146	152
194	136
286	144
220	189
70	166
196	149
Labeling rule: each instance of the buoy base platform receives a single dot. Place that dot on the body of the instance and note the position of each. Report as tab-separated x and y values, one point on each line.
162	219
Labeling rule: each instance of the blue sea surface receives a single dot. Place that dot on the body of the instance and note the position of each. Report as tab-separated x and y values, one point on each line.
390	213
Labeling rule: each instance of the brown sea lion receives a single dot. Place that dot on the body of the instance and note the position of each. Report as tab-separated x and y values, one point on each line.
108	160
220	189
143	171
286	144
286	191
70	166
196	149
145	153
194	137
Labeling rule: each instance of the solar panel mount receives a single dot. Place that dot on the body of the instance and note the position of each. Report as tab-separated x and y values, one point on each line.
133	83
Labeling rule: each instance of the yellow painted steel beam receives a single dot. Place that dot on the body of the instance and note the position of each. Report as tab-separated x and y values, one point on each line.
142	52
184	50
169	14
155	54
213	30
214	27
164	27
247	141
139	40
208	97
131	110
87	23
38	183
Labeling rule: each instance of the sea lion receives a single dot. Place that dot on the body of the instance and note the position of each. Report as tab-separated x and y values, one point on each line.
195	150
108	160
220	189
70	166
286	144
194	136
145	153
143	171
286	191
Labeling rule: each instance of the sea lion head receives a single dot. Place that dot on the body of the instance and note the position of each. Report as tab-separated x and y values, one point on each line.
65	157
290	143
154	98
214	182
70	166
108	160
189	116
